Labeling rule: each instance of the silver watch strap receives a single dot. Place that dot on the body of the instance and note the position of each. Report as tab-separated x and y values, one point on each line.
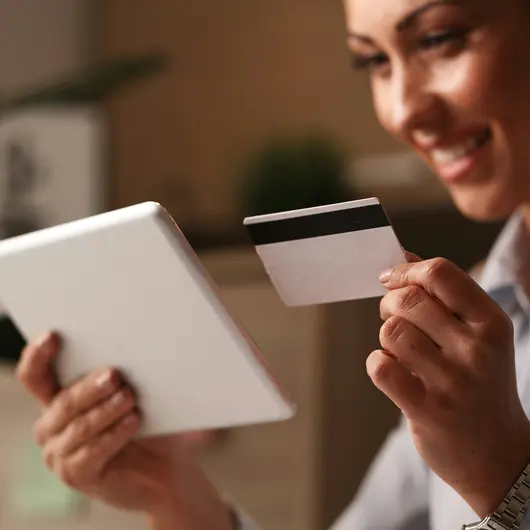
511	511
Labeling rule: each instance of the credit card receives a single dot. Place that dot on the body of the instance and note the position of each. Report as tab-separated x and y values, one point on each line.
328	253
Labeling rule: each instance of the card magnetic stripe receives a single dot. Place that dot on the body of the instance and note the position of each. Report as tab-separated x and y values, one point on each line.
318	225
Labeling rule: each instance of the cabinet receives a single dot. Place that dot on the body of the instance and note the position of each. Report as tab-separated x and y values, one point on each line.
298	475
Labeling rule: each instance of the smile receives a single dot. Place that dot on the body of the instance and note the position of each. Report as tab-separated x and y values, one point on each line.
453	162
447	156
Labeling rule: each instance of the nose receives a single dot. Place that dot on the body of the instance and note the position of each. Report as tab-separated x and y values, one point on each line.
413	106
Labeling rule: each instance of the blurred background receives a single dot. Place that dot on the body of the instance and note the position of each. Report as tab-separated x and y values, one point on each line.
217	110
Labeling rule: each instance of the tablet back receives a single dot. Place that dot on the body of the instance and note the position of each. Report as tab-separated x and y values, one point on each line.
124	289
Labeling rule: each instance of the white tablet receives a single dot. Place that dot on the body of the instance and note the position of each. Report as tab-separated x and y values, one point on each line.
125	289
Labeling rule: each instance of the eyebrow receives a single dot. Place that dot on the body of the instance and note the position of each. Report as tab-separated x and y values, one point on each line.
409	20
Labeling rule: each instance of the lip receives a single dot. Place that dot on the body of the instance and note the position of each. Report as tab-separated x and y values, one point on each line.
458	170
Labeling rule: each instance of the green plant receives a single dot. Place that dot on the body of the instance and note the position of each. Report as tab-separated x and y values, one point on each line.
293	172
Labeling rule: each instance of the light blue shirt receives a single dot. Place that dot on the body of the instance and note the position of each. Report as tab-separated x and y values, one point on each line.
400	492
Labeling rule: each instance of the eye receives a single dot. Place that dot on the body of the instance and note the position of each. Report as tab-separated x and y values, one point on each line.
439	39
369	62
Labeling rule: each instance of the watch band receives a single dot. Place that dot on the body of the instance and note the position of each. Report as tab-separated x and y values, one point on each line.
511	511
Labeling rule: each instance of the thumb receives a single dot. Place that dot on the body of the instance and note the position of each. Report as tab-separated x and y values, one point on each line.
35	369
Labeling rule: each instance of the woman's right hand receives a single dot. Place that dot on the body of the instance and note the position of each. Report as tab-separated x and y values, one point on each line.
86	432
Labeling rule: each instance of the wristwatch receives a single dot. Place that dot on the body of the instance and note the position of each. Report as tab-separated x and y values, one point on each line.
511	511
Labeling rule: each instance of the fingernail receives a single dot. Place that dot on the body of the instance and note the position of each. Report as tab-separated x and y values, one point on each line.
44	341
384	277
105	380
130	419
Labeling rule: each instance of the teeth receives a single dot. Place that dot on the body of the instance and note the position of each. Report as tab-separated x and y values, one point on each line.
447	156
423	136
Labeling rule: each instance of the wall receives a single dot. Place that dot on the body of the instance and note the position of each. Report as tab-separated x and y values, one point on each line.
240	71
42	40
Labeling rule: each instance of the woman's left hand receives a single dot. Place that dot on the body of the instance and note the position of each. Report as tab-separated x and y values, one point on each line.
448	363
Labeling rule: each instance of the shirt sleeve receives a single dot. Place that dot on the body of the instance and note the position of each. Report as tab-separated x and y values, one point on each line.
394	494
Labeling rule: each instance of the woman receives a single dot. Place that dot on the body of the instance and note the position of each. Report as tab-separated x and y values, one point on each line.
451	78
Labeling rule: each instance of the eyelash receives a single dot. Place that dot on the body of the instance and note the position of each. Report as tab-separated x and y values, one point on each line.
439	39
369	62
430	42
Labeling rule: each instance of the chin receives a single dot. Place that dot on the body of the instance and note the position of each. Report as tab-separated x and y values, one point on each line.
483	205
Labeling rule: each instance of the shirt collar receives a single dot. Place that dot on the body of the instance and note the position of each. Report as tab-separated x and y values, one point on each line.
506	262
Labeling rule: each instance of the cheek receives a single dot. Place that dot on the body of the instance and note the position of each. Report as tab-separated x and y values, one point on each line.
485	85
469	87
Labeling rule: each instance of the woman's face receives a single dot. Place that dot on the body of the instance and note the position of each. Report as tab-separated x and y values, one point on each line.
452	80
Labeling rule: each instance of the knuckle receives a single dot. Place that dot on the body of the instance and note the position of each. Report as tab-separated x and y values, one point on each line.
476	360
38	432
83	472
49	457
385	306
116	402
479	363
438	269
379	370
408	298
102	415
22	371
393	329
68	475
65	403
84	457
445	394
473	350
498	329
80	430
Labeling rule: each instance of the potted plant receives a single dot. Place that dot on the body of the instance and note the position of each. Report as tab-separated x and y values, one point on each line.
291	172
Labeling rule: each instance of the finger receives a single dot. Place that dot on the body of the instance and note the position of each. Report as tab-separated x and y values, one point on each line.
414	349
35	368
411	257
396	381
88	463
84	428
79	398
446	282
414	304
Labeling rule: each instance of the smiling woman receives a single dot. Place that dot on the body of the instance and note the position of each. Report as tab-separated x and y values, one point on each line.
451	79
